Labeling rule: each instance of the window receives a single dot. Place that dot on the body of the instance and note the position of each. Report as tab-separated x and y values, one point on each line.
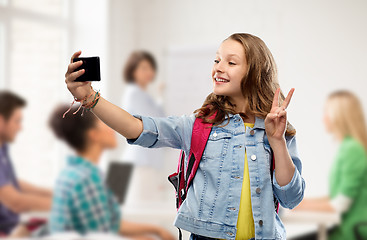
34	40
2	56
54	8
3	2
35	45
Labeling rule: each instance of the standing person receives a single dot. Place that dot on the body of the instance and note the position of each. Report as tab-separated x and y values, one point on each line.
231	196
82	202
344	119
16	196
139	73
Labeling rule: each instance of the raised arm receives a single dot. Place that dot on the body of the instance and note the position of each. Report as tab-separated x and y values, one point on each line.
115	117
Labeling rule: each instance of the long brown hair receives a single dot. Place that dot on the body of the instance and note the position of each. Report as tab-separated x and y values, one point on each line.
346	115
258	85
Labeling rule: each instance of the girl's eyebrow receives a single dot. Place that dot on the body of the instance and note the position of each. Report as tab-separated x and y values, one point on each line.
233	55
230	55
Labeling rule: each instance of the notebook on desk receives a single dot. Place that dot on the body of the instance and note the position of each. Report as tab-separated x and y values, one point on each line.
118	179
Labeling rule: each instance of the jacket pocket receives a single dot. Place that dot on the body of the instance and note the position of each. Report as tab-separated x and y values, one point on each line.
217	144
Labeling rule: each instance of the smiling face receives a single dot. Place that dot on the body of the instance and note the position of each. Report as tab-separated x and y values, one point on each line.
326	119
230	66
144	73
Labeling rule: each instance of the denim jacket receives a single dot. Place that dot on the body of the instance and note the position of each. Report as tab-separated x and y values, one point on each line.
213	200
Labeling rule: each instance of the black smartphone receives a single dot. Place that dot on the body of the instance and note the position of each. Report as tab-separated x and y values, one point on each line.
92	69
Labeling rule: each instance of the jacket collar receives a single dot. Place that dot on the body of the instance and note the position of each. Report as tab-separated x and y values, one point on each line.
259	122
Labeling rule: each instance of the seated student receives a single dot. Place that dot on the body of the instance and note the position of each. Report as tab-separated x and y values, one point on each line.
344	119
16	196
82	202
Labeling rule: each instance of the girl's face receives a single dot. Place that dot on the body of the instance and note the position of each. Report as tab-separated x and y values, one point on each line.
230	66
103	135
327	120
144	73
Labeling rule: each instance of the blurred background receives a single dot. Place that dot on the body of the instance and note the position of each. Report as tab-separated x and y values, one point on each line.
319	47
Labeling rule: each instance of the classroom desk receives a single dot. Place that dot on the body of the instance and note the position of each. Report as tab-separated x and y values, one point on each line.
162	214
298	223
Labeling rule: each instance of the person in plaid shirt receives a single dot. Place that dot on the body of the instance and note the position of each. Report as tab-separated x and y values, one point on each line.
82	202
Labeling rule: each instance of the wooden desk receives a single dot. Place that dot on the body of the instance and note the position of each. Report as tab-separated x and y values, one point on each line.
310	220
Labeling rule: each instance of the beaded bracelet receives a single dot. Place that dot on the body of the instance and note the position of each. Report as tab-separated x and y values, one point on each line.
93	103
78	100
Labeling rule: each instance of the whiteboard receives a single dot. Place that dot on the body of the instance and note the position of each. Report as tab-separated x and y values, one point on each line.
188	78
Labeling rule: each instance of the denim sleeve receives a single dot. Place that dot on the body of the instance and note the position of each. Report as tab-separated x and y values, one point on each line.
290	195
171	131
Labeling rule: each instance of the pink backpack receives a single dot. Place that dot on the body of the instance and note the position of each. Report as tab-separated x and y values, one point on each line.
182	180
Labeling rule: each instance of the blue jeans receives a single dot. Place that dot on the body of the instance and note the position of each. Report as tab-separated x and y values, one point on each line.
199	237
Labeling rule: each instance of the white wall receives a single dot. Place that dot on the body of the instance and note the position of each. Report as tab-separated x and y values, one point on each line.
319	46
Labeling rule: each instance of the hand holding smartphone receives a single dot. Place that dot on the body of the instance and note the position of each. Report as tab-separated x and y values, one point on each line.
91	66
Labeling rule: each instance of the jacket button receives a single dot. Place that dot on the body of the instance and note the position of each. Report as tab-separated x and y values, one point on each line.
230	234
261	222
253	157
252	132
258	190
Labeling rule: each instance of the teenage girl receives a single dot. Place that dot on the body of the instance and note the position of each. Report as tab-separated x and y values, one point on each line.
232	195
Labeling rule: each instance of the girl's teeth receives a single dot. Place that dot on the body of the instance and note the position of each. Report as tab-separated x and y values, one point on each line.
220	80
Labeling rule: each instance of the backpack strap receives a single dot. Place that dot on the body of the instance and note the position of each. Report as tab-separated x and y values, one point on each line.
272	167
200	136
182	179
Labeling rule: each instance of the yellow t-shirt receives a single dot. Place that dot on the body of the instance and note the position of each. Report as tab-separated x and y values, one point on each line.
245	221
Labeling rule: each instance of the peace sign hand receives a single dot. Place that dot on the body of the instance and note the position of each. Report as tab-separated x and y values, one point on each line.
276	120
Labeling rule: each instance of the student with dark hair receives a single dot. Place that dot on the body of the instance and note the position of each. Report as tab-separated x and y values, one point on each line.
16	196
82	202
139	73
140	68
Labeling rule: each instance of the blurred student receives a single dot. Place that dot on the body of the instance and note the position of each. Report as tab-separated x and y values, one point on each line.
82	202
344	119
139	73
16	196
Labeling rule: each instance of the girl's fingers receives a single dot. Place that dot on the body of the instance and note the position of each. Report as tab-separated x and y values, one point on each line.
279	109
288	98
282	114
77	84
75	55
276	99
74	75
73	66
271	116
